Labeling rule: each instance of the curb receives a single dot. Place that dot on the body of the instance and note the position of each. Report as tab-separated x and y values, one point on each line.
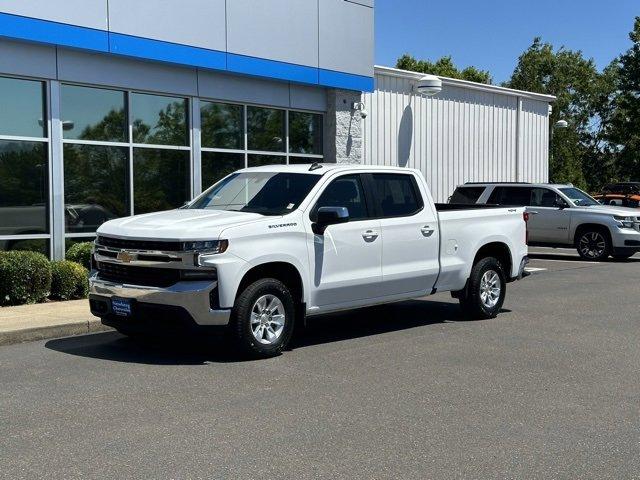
46	332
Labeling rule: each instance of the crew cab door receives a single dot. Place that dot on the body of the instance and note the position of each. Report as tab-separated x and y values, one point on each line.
346	261
410	246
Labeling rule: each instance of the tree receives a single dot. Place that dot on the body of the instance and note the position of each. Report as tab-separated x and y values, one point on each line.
577	85
443	67
623	131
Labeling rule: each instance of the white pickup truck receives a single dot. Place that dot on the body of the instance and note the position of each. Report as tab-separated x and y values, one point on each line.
266	247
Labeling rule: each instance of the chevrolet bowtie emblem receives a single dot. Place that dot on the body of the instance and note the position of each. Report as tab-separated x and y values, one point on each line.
124	257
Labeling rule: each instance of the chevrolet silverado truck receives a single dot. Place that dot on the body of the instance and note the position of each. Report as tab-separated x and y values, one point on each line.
563	216
267	247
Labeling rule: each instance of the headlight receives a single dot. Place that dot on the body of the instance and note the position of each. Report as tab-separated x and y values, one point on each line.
208	246
625	222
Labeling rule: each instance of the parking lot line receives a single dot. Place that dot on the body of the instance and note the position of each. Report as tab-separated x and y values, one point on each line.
535	269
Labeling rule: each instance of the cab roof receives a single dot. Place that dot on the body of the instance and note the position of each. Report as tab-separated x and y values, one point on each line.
321	168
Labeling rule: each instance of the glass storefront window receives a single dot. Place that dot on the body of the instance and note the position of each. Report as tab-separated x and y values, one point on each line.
93	114
161	179
159	120
96	187
305	133
24	188
266	129
217	165
260	160
222	125
40	245
23	112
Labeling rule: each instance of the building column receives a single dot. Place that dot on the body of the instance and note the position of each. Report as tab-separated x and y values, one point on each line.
343	128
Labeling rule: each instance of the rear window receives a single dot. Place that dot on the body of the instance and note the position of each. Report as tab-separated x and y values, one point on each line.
397	194
466	195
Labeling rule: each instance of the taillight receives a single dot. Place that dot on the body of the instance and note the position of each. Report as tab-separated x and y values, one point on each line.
525	217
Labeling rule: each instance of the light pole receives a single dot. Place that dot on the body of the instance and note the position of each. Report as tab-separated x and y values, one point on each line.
561	124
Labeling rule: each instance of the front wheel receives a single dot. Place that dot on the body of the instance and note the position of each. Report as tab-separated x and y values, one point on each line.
485	291
263	318
593	245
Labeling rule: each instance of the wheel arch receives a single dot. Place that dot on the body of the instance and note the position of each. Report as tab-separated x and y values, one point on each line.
284	271
498	250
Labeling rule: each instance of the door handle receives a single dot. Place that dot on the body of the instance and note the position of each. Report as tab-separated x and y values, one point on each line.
533	212
370	235
427	231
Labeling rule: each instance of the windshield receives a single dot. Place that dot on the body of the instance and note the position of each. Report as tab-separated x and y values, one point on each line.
267	193
578	197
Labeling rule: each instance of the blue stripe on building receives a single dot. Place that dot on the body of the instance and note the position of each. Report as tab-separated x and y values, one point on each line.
64	35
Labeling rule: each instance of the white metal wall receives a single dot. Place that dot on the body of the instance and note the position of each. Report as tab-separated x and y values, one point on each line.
468	132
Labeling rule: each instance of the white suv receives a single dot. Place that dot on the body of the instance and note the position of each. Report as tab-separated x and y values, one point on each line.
563	215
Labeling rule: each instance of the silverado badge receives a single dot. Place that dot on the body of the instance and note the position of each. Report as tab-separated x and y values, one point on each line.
124	257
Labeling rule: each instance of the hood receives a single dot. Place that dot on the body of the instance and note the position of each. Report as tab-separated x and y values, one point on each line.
610	210
182	224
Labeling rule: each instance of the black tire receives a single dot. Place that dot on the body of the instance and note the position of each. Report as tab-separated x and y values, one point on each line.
471	299
241	322
593	244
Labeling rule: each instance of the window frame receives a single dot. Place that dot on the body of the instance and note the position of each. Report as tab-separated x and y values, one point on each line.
287	154
313	211
377	202
47	141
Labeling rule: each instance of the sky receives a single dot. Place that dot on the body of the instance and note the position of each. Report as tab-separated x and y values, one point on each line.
492	34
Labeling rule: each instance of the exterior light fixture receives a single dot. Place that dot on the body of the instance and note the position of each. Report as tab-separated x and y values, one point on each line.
359	107
428	86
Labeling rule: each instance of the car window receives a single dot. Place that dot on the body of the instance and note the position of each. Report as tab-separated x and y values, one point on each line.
397	194
578	197
466	195
346	192
512	196
543	197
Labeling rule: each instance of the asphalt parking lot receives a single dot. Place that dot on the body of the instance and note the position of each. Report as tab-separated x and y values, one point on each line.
549	389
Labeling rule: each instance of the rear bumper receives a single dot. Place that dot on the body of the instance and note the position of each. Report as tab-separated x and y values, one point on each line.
192	297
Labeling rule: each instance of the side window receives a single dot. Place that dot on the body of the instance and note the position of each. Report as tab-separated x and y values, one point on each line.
466	195
512	196
543	197
397	194
347	192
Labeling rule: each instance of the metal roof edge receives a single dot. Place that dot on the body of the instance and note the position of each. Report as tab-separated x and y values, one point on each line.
454	82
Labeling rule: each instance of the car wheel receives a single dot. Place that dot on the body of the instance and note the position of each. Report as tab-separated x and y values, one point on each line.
486	289
263	318
593	245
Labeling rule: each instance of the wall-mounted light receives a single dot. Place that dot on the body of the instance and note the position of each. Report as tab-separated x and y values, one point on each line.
428	86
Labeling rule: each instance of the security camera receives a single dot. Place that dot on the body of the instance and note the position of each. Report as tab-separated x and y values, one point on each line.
359	107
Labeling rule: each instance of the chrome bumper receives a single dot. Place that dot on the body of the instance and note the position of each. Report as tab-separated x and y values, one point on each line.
193	296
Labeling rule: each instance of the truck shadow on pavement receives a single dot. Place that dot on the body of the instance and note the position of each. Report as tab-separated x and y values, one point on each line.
575	258
355	324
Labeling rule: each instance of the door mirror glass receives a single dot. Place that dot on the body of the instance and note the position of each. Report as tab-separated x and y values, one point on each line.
329	216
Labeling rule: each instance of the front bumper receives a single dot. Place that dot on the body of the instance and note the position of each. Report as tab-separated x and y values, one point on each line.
625	240
191	296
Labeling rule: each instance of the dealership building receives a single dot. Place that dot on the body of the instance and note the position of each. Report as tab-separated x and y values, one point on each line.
113	107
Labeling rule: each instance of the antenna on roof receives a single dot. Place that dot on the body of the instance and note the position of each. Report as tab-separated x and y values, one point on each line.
315	166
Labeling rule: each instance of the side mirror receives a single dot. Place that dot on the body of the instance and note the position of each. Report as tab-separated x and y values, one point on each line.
329	216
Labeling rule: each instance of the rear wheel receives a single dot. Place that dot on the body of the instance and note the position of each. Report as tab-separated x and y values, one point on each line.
486	289
263	318
593	245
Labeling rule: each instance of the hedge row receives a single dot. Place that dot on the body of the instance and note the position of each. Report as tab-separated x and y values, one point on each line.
29	277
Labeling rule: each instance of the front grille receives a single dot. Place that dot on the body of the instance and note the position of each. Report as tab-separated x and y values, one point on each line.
139	244
152	277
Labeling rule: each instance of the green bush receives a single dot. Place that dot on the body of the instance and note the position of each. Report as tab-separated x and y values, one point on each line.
25	277
80	253
69	280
